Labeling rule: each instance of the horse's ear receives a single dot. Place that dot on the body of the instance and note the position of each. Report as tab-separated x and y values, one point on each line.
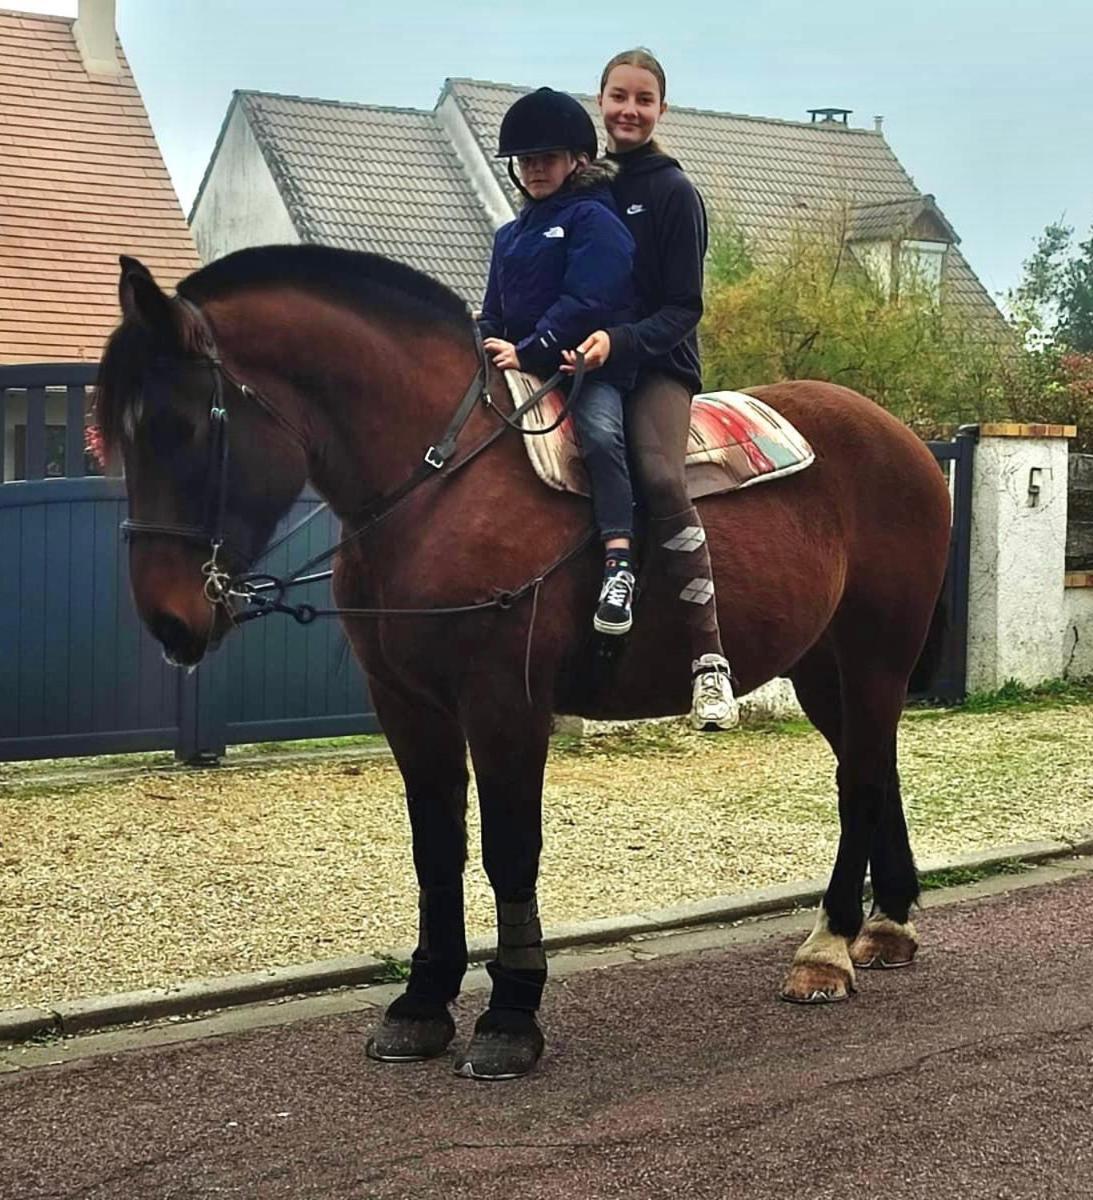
143	300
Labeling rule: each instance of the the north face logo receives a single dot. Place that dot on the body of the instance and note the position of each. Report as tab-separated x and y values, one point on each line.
555	231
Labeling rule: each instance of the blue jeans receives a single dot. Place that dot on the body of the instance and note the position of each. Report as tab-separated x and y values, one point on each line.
598	417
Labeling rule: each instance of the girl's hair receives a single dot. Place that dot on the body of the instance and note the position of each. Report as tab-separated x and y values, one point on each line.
638	57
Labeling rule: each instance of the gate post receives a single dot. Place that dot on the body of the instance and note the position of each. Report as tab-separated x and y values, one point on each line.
202	724
1016	611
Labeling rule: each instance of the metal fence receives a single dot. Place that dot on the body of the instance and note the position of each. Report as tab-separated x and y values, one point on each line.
1079	514
78	672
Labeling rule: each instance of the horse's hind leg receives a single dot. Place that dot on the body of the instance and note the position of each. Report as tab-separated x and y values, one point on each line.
431	753
888	938
872	701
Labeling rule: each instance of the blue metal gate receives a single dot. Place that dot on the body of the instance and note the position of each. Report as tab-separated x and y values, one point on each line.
956	459
78	672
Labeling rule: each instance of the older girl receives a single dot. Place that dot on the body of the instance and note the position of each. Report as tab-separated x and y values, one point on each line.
664	212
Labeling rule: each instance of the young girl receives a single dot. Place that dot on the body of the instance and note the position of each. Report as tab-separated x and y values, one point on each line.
562	269
665	214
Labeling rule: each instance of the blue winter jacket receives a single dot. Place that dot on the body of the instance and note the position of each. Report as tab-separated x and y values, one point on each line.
560	271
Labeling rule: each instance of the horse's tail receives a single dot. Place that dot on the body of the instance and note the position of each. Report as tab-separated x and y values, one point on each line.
930	657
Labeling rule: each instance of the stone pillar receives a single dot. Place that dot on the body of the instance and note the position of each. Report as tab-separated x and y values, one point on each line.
1016	611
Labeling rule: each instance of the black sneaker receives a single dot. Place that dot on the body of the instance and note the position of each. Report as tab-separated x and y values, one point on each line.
615	612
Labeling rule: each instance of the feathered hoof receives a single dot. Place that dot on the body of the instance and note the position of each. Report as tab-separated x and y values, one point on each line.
884	945
817	983
412	1030
506	1045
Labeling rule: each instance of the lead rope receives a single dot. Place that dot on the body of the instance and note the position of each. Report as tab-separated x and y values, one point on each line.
537	587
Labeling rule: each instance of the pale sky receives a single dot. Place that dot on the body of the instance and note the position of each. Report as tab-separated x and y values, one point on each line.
986	103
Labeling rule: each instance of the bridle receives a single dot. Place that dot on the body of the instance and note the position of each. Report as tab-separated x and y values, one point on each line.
264	593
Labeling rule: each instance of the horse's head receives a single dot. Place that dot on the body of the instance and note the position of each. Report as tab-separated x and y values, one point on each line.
205	463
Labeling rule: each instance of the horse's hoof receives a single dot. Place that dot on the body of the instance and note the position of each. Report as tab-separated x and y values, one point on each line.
506	1045
817	983
412	1030
884	945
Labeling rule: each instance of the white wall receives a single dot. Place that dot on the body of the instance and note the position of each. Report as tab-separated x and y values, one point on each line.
1016	618
1078	639
239	205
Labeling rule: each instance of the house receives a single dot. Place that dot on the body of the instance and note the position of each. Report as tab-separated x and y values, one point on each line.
81	181
424	186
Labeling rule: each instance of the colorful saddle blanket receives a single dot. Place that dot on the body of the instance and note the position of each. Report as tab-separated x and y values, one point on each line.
735	441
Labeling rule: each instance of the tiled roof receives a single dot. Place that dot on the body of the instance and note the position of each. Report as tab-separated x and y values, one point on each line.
896	219
381	179
766	174
81	181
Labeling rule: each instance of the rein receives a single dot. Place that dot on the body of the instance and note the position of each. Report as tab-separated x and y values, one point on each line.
263	592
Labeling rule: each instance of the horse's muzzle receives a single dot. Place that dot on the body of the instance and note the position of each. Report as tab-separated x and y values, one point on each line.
182	646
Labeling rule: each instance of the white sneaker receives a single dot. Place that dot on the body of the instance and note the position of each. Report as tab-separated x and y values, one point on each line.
713	706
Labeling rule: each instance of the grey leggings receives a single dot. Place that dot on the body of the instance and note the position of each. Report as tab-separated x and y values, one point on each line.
658	420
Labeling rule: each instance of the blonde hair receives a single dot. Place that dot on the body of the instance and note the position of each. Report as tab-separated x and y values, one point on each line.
638	57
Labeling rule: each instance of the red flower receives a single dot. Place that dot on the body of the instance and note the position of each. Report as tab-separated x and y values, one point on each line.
94	445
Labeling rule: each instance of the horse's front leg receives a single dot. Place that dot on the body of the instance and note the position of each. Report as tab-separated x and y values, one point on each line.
508	741
431	753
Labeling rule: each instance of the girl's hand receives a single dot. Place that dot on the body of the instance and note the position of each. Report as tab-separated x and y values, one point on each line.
596	349
503	354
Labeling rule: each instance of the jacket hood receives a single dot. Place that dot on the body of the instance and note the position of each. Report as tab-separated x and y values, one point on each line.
642	161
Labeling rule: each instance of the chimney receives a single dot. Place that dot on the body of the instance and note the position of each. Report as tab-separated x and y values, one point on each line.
878	124
96	38
830	116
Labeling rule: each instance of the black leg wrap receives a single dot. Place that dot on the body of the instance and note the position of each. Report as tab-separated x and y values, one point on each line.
519	971
517	989
440	960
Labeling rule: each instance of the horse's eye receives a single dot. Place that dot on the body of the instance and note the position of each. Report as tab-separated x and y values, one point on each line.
169	430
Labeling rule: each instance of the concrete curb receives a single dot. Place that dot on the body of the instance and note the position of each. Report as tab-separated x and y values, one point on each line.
226	991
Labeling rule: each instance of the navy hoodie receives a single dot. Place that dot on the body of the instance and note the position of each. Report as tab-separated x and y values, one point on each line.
560	271
664	212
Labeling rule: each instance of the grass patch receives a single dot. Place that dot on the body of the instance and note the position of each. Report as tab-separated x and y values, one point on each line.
674	738
1053	694
395	970
960	876
357	741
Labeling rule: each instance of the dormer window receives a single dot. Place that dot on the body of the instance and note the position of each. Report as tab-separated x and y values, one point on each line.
901	245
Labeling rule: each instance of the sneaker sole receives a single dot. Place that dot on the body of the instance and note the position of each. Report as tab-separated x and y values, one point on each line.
714	726
611	630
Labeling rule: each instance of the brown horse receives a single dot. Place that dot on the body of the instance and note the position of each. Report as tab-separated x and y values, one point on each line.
343	368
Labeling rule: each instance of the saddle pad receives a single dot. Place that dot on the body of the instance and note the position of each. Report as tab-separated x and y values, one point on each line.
735	441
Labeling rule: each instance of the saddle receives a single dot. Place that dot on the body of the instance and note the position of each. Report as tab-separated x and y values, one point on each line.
735	441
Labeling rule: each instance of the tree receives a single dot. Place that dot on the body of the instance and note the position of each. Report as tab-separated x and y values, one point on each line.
807	310
1053	303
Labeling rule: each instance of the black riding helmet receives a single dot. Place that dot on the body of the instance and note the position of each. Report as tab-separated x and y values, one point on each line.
546	120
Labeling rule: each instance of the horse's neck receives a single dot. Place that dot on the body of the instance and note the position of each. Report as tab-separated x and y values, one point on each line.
370	398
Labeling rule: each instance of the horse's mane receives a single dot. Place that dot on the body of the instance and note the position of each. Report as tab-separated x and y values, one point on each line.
368	283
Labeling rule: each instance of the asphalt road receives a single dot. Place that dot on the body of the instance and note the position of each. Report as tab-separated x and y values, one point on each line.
968	1075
